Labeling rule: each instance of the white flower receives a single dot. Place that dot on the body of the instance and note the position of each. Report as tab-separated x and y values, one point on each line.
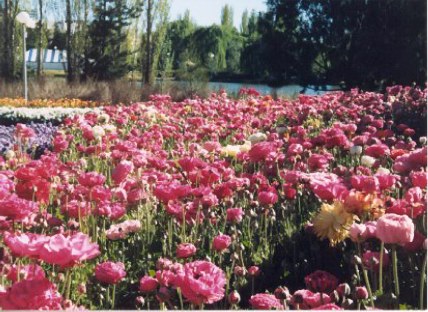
257	137
10	154
104	118
356	150
383	170
109	128
368	161
98	132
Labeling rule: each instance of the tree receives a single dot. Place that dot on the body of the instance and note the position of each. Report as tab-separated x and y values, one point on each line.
227	17
244	23
10	9
106	59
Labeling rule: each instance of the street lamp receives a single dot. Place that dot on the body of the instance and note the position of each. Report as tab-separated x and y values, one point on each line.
27	22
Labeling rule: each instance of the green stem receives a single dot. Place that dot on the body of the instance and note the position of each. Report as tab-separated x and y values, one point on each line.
395	271
113	297
381	267
366	277
68	285
422	284
180	297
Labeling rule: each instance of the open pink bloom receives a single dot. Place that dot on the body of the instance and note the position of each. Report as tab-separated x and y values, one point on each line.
260	151
66	251
361	232
31	294
26	272
113	211
91	179
268	196
185	250
234	215
419	178
265	302
76	209
25	244
221	242
395	229
17	208
201	282
309	300
121	171
148	284
110	272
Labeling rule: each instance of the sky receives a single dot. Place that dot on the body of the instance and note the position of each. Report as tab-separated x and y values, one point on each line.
208	12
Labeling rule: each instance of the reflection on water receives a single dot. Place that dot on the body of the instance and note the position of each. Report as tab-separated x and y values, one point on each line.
288	90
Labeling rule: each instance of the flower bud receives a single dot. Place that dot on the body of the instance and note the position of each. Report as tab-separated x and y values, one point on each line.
254	271
282	293
361	292
139	301
239	271
343	289
234	297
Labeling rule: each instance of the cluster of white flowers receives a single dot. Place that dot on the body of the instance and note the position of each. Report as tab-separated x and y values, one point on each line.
43	113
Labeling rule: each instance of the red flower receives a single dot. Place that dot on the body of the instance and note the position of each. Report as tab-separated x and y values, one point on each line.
321	281
110	272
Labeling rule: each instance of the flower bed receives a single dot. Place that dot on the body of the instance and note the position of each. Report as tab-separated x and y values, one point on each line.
69	103
315	203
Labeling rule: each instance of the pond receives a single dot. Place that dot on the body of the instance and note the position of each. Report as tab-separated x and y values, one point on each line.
286	91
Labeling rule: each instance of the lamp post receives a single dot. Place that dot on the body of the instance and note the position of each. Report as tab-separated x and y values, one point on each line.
27	22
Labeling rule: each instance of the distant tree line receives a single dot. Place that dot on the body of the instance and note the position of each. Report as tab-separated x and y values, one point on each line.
365	43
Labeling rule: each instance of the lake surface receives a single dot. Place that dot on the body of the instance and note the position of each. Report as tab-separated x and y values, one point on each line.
288	90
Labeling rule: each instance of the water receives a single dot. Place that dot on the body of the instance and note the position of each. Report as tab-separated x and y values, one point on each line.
285	91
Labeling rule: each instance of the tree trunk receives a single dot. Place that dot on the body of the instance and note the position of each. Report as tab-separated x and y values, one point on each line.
6	49
148	64
39	40
70	71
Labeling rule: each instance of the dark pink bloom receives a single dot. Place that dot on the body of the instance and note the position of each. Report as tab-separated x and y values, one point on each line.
121	171
110	272
25	244
321	281
26	272
16	208
91	179
260	151
419	178
371	260
377	150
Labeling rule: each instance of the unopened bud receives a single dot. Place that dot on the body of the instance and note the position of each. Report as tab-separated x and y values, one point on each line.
234	297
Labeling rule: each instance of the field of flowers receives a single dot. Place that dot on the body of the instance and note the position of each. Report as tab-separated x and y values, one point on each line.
219	203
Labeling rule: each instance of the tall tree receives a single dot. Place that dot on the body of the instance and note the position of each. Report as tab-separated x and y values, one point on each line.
244	23
227	16
8	58
148	66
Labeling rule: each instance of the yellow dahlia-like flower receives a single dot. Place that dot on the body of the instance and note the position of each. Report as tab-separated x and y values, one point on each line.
333	222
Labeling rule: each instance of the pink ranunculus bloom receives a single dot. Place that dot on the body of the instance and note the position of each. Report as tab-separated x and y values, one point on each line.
371	260
416	244
185	250
201	282
148	284
260	151
17	208
419	178
91	179
395	229
234	215
113	211
306	299
121	171
26	272
221	242
377	150
268	197
110	272
265	302
76	209
32	294
294	149
25	244
361	232
321	281
66	251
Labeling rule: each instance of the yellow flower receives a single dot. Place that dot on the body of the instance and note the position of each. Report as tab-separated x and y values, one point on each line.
333	222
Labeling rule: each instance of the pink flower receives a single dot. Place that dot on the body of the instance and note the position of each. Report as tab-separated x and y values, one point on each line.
361	293
148	284
321	281
201	282
110	272
76	209
122	170
371	260
309	300
395	229
113	211
16	208
185	250
260	151
361	232
67	251
377	150
26	244
268	197
416	244
419	179
265	302
26	272
221	242
91	179
254	271
31	294
234	215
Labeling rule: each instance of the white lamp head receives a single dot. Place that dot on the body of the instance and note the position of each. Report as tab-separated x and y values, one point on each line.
24	18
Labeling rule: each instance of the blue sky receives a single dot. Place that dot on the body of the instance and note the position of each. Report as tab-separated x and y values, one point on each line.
207	12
